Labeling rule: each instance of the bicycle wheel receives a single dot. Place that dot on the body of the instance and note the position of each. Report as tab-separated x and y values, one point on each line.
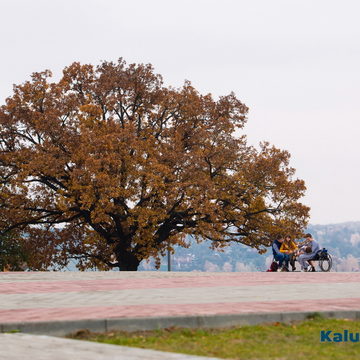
326	263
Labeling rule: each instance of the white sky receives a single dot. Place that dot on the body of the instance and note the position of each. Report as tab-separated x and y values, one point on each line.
295	63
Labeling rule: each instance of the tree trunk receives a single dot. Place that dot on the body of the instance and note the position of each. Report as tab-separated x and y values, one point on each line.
127	261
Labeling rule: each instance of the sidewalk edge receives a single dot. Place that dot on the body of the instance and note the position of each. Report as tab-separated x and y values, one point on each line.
62	328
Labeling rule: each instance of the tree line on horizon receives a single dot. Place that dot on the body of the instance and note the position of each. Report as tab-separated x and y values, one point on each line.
341	240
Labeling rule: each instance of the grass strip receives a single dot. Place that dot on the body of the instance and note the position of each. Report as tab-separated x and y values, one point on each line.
295	341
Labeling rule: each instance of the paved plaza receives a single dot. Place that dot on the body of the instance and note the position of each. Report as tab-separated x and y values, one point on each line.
33	297
57	303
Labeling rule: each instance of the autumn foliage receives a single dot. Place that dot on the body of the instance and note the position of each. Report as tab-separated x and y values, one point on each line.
110	167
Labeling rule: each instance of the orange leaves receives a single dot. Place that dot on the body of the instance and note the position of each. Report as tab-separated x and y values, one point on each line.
91	112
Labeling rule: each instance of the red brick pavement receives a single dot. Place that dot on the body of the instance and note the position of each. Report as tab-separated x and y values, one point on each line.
232	279
107	312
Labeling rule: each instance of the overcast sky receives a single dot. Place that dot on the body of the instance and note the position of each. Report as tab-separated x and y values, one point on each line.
295	63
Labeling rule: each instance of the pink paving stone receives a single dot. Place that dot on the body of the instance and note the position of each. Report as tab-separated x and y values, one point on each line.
241	279
140	311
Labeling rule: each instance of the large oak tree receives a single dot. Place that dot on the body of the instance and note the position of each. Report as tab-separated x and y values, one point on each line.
110	167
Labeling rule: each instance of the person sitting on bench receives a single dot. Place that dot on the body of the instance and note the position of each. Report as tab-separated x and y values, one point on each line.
289	247
310	252
278	255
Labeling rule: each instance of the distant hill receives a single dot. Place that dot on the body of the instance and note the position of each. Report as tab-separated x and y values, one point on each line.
342	241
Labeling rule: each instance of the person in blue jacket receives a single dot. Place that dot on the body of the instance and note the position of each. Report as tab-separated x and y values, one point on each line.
278	255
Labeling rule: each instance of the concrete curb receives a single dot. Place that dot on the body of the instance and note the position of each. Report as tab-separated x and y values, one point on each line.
62	328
